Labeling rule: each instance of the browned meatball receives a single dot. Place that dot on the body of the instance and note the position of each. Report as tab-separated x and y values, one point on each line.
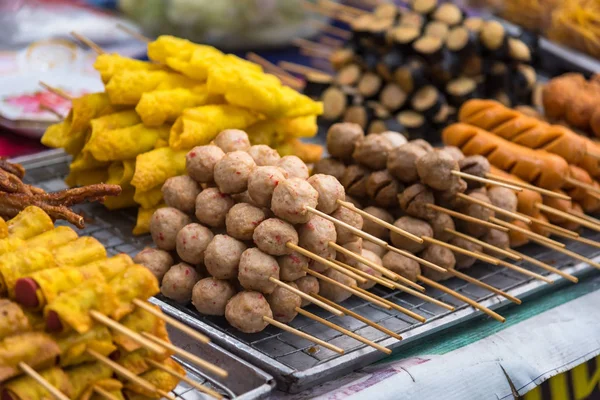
414	201
464	261
264	155
232	172
424	144
504	198
395	138
222	256
383	188
439	224
373	247
355	202
210	295
372	151
262	183
200	162
243	197
342	138
454	152
402	162
334	292
435	169
353	219
212	207
294	166
291	266
475	211
355	180
178	282
447	198
256	268
374	258
309	285
416	227
375	229
233	140
316	234
330	166
475	165
330	191
290	199
401	265
273	235
246	311
440	256
192	241
355	247
164	225
242	219
156	260
496	238
284	303
180	192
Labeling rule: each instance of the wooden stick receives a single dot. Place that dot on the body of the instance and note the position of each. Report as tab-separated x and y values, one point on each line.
188	356
467	218
376	279
361	318
303	335
585	186
350	10
459	296
316	53
483	244
494	208
136	337
347	288
305	296
395	306
286	77
583	240
593	153
477	255
526	232
380	222
331	42
307	44
57	394
568	217
56	91
525	271
326	12
384	271
332	30
566	232
343	330
324	261
422	296
300	69
88	42
133	33
570	253
184	378
524	185
488	181
51	110
122	371
421	261
483	285
586	217
547	267
102	392
171	321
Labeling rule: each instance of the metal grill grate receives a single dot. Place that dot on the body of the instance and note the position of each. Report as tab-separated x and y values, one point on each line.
296	362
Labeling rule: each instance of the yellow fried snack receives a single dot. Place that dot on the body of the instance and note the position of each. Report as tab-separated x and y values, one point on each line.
124	200
148	198
156	377
135	282
272	132
87	177
25	387
57	136
84	377
111	386
124	143
120	173
140	321
84	161
82	251
19	264
198	126
73	346
3	229
30	222
109	64
118	120
155	167
142	224
52	239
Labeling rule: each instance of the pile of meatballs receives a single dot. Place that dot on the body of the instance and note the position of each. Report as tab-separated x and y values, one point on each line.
225	230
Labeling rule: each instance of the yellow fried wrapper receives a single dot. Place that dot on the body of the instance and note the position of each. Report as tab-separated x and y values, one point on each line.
144	216
74	346
140	321
111	386
118	120
121	172
52	239
166	46
222	75
108	64
19	264
158	378
13	320
82	251
30	222
25	387
85	161
198	126
149	198
86	108
58	136
3	229
86	177
135	282
155	167
84	377
123	200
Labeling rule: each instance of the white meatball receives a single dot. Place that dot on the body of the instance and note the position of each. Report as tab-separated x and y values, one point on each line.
246	311
330	191
222	256
164	225
262	182
201	161
255	270
179	282
212	207
273	235
290	199
264	155
156	260
210	295
232	172
192	241
233	140
294	166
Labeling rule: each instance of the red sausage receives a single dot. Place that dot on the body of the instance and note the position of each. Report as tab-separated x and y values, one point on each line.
26	292
7	396
53	322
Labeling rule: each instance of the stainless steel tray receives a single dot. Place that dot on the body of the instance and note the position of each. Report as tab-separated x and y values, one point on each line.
47	170
296	363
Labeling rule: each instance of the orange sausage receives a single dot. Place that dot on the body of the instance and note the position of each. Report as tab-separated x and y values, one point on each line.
517	238
537	167
589	203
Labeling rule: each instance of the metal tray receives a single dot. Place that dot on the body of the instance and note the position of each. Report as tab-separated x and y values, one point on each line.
47	170
296	363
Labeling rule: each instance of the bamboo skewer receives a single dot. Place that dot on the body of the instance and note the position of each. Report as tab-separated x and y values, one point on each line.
586	217
324	54
136	337
484	285
287	78
583	240
422	296
459	296
343	330
326	12
303	335
171	321
585	186
467	218
565	232
56	91
57	394
52	110
185	379
97	49
568	217
477	255
524	271
488	181
102	392
360	318
524	185
569	253
494	208
341	7
314	46
395	306
526	232
133	33
331	42
547	267
484	244
376	279
306	296
300	69
593	153
331	30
